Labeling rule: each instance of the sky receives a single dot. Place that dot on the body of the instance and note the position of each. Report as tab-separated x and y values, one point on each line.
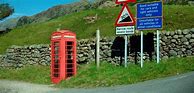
31	7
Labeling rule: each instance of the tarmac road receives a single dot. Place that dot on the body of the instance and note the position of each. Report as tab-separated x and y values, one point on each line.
183	83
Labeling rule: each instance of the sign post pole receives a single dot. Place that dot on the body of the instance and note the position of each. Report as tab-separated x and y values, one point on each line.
150	17
141	49
98	48
125	23
125	50
158	46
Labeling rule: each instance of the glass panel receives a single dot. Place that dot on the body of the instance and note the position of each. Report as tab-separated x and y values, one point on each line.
69	70
56	70
56	66
56	75
69	66
56	60
69	43
69	60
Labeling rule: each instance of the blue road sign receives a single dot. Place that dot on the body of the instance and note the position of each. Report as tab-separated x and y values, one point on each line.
149	9
149	16
149	23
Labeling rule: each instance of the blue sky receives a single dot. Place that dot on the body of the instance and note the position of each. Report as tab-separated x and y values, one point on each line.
31	7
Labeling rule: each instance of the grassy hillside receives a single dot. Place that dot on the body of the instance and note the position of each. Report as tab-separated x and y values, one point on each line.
107	75
175	17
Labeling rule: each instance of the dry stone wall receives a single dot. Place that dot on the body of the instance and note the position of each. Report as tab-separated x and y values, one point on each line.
179	43
18	56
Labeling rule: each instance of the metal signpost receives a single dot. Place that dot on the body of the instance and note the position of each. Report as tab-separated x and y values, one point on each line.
125	23
150	17
98	48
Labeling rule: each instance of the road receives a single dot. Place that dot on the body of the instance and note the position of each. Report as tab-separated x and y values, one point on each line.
183	83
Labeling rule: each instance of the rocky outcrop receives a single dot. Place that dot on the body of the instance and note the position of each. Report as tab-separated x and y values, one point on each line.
108	4
59	10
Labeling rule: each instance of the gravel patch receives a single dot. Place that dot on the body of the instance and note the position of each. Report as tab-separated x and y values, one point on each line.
22	87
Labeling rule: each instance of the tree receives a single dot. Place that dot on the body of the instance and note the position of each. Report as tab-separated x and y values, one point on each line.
5	11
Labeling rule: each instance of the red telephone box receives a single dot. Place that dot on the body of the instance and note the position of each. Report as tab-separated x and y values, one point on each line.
63	55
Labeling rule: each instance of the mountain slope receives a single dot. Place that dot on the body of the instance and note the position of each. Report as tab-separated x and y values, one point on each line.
85	23
60	10
8	24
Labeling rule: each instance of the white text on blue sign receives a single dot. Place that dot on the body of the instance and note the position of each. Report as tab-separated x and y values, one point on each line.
149	10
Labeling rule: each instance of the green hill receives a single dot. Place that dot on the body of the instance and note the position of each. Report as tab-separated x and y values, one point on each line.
85	24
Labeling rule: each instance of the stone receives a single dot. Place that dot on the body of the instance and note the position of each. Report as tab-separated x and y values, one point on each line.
185	32
175	36
172	53
183	39
192	35
166	49
173	45
188	36
191	40
167	33
192	30
172	33
181	36
169	37
189	46
20	65
105	47
183	49
192	44
173	40
179	32
80	55
164	39
180	53
163	43
186	43
189	52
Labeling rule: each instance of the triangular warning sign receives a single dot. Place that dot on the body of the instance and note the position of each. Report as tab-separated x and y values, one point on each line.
125	17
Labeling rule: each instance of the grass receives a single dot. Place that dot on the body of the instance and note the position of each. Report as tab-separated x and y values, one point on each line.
33	74
107	75
175	17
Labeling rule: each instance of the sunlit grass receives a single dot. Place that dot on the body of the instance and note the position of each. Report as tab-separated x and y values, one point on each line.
107	75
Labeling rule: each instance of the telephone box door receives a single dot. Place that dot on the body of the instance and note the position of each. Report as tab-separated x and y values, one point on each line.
70	58
55	62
